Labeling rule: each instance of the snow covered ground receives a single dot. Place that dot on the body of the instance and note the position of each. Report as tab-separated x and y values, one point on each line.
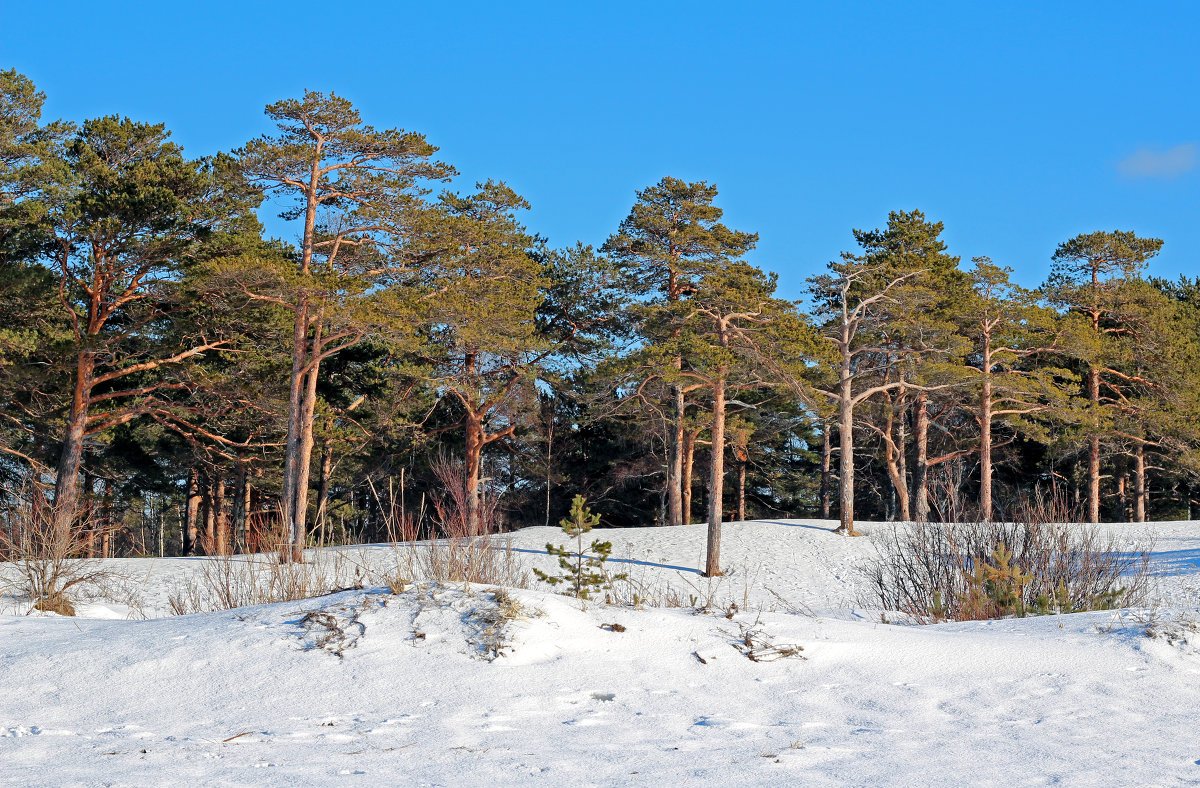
459	686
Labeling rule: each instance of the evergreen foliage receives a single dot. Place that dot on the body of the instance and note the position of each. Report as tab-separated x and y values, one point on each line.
161	359
581	571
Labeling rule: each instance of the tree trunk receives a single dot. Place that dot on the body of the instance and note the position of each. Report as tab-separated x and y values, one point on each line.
1123	497
1139	492
741	501
87	522
303	380
472	471
299	524
70	458
1093	490
846	441
675	471
291	461
985	437
191	530
221	524
921	473
241	509
549	466
826	470
689	463
894	461
210	518
324	480
716	480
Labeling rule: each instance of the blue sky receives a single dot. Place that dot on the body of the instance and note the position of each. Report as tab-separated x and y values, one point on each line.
1017	124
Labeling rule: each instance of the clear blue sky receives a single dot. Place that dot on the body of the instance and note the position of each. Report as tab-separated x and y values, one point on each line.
1017	124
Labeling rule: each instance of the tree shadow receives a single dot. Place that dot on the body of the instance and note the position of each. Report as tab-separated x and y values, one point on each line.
1173	563
614	560
810	526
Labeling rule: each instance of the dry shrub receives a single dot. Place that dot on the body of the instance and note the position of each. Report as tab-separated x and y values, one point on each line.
482	560
721	594
398	523
42	566
228	582
452	509
973	571
466	552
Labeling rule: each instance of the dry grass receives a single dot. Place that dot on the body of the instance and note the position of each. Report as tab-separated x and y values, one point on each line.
228	582
480	560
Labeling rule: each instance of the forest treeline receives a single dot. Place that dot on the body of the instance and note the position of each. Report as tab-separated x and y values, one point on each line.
175	380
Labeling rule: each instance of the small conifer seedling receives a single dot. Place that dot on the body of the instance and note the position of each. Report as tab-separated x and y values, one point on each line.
582	572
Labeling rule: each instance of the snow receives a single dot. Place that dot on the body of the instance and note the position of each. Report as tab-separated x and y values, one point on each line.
438	686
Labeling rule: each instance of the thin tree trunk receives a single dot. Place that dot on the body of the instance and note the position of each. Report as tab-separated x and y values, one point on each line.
985	435
1123	497
675	471
324	480
689	464
1140	492
1093	490
87	522
241	511
826	470
296	460
903	490
299	525
549	463
716	480
846	441
741	501
894	461
210	518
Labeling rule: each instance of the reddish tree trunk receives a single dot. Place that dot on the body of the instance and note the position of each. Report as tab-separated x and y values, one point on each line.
221	520
191	529
70	459
689	463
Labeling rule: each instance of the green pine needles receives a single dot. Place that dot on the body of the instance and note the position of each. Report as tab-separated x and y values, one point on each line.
582	572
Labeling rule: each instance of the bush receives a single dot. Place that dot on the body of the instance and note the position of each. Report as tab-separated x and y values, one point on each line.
43	565
972	571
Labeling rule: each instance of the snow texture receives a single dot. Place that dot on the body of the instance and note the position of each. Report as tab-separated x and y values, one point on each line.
447	685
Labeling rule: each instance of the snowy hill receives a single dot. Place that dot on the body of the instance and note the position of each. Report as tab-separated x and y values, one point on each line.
468	686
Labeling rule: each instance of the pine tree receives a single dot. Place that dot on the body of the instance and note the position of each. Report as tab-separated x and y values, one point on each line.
124	216
582	573
483	347
671	238
738	335
355	190
1088	278
1013	337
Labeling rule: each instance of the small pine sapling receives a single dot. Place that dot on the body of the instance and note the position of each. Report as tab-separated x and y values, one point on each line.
583	573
